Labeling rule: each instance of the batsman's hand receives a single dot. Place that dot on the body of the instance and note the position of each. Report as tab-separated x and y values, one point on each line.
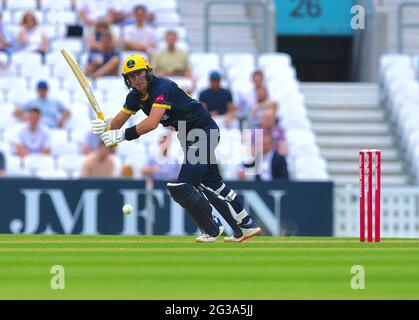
100	126
113	137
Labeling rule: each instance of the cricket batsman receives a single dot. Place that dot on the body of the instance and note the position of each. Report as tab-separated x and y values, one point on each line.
199	183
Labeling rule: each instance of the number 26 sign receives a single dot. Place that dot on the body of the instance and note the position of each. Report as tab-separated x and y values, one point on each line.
314	17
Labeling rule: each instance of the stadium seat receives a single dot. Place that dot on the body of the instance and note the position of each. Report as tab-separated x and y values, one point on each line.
21	5
125	150
203	63
267	61
109	83
73	46
35	162
242	73
25	59
59	150
310	161
238	60
70	163
55	32
295	122
82	59
5	85
392	59
61	16
311	174
59	142
78	135
117	163
301	136
79	118
171	19
7	120
165	5
38	71
54	57
4	60
54	4
52	174
14	167
7	17
62	96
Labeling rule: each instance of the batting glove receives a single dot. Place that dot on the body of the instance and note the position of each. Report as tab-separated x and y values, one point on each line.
100	126
113	137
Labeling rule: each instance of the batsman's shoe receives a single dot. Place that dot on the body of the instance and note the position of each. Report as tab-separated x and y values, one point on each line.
206	237
249	229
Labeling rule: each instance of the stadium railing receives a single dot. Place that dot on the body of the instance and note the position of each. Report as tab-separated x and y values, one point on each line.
262	23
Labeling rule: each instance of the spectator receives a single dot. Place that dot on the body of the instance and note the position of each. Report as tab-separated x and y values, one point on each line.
32	137
31	37
139	36
262	103
2	165
6	38
91	10
216	99
171	61
151	11
248	99
269	124
120	12
162	166
105	61
54	114
273	166
99	163
102	26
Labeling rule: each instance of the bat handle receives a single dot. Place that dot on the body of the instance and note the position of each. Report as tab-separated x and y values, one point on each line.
100	116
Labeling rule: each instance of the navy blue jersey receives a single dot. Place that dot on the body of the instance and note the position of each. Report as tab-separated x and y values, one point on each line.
216	100
164	93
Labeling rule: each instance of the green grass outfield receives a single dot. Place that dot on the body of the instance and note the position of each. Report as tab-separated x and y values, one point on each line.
159	267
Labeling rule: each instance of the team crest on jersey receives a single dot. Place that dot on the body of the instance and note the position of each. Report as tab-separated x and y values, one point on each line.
160	98
165	117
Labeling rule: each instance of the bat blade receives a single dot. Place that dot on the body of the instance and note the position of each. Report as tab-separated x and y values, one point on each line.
83	83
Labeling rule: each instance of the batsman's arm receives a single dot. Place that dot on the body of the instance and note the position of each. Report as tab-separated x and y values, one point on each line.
120	119
148	124
115	136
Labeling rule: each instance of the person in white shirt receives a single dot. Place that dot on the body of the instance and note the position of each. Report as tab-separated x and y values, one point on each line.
140	36
32	137
31	37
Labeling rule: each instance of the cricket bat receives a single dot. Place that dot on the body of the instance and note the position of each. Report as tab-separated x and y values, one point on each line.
83	83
